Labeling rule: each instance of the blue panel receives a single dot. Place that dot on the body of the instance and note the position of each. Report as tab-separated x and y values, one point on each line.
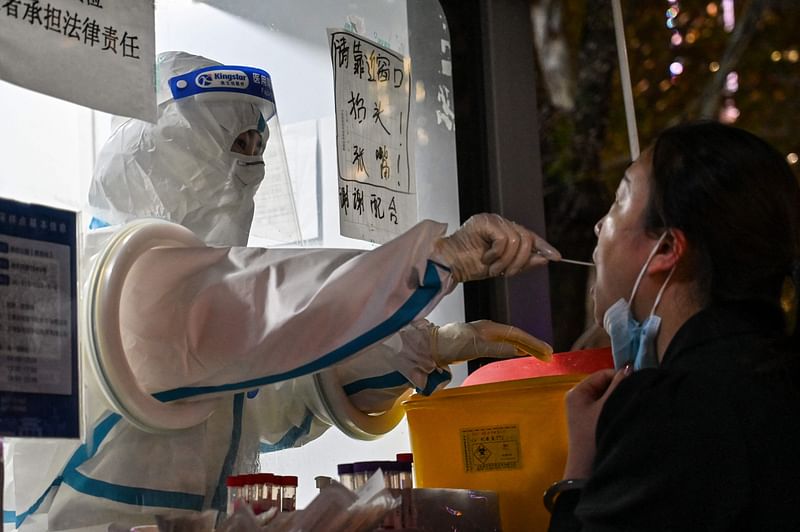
27	231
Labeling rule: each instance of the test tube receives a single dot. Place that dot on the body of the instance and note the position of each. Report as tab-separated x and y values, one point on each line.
235	494
265	493
288	495
404	457
409	459
275	492
362	471
408	517
404	476
346	477
249	492
391	474
322	482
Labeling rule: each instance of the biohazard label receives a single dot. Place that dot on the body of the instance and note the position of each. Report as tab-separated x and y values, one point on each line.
491	448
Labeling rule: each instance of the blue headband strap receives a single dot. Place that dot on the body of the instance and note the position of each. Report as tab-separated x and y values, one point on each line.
224	78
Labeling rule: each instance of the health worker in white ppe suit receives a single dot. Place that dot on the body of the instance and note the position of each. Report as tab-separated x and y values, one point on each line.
271	339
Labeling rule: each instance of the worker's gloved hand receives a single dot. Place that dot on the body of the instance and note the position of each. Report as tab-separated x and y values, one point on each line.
488	245
458	342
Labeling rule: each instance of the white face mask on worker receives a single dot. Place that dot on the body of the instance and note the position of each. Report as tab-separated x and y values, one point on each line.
247	169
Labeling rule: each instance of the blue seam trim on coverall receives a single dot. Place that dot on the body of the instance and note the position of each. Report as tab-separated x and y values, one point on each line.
291	436
389	380
97	223
81	455
434	380
107	490
416	302
18	519
404	315
220	499
133	495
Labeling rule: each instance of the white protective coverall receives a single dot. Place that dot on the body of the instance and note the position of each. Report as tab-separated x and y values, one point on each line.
244	324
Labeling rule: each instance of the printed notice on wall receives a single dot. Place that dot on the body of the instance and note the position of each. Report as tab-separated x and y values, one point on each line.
491	448
96	53
377	192
38	321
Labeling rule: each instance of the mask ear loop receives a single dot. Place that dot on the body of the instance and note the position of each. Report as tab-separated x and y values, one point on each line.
661	291
646	264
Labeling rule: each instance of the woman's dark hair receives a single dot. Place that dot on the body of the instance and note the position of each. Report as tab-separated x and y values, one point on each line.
738	203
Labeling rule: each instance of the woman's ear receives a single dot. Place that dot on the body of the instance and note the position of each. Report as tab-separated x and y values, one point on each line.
670	252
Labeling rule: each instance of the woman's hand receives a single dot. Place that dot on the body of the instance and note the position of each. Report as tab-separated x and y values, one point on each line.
584	403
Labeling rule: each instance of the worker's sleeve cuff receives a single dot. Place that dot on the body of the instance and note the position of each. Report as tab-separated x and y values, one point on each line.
378	375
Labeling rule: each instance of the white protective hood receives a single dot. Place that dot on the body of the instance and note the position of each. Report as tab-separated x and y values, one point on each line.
182	168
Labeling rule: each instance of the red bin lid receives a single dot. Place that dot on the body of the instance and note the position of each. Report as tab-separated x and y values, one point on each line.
567	363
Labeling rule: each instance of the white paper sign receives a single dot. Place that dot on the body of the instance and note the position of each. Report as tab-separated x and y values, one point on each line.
35	322
96	53
38	321
377	191
36	295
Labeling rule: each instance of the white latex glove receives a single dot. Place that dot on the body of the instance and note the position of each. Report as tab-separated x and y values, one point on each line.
488	245
458	342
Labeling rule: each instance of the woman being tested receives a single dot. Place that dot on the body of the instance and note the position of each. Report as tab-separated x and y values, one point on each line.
699	427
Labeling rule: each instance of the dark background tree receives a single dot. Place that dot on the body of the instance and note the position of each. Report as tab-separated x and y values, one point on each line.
582	124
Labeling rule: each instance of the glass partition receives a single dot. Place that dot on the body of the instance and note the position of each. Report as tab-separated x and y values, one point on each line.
49	146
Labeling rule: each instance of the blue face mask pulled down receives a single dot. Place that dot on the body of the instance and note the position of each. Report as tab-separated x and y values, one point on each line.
631	341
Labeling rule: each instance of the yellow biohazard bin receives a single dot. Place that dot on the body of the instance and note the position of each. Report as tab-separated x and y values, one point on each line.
509	437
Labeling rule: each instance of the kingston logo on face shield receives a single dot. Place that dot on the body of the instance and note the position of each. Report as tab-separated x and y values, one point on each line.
222	78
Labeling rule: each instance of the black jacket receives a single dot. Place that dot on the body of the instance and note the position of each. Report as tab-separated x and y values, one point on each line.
709	441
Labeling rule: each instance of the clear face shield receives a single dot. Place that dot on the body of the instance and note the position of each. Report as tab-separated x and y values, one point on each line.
275	221
232	114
